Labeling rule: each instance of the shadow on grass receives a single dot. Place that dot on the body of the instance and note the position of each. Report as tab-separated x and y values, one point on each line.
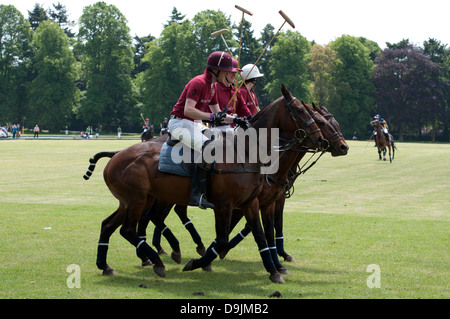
231	278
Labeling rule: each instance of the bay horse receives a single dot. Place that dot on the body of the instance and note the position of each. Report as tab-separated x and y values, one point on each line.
277	188
133	177
382	143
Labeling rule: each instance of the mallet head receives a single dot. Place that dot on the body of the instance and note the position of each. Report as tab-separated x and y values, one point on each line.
243	10
285	17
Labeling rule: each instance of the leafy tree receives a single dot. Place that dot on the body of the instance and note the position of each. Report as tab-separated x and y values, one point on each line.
15	52
352	98
52	91
267	34
107	58
169	59
440	54
140	49
289	65
408	88
321	67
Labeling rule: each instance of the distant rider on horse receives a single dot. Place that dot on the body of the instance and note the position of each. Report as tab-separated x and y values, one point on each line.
384	129
198	101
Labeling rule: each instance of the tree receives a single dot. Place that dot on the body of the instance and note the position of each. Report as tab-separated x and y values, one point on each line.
408	90
36	16
60	16
289	65
176	17
440	54
15	52
52	91
352	97
267	34
169	59
107	59
321	67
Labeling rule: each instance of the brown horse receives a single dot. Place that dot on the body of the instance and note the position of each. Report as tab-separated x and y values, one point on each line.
133	177
382	143
273	195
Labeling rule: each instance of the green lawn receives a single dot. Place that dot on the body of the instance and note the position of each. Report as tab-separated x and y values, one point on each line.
346	213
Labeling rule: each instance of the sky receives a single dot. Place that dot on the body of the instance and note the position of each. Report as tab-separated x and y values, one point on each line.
320	20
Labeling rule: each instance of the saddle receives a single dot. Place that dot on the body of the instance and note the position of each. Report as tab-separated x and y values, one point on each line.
170	159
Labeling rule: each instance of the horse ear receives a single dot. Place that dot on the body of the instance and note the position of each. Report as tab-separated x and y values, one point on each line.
315	106
287	95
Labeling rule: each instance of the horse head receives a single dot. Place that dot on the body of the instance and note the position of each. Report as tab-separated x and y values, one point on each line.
375	123
338	145
302	123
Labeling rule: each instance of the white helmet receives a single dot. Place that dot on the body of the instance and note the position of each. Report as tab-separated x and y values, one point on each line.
254	72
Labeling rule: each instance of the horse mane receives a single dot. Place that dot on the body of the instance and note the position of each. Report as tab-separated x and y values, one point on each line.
286	94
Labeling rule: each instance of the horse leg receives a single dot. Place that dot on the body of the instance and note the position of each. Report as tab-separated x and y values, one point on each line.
379	154
384	153
142	233
222	214
181	211
252	216
159	213
267	216
128	231
109	226
235	218
390	158
278	224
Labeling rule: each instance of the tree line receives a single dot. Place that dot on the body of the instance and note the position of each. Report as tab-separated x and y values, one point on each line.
101	76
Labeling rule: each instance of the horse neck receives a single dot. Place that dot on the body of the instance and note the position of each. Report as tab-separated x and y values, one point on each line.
269	117
380	134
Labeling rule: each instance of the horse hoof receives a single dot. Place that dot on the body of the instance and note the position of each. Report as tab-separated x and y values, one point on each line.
208	268
201	250
108	271
283	270
189	266
176	257
162	252
289	259
146	263
277	278
223	253
160	271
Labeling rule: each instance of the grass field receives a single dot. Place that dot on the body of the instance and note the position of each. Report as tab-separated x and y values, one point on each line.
346	213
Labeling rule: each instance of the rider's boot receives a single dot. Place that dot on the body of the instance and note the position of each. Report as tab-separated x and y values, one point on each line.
198	184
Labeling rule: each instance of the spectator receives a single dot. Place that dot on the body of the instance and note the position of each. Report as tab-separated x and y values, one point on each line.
36	131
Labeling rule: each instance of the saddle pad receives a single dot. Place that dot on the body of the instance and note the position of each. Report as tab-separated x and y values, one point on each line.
167	165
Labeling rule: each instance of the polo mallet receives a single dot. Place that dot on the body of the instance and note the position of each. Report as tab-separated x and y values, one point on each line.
242	27
220	32
286	19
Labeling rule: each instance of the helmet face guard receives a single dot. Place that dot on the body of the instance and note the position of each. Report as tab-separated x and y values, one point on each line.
221	61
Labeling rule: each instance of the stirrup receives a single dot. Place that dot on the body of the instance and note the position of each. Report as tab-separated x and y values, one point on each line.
204	204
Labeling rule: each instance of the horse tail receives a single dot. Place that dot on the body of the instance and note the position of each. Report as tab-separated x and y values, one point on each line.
93	162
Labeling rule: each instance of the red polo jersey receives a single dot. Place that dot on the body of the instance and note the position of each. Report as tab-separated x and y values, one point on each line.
200	90
248	99
224	94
